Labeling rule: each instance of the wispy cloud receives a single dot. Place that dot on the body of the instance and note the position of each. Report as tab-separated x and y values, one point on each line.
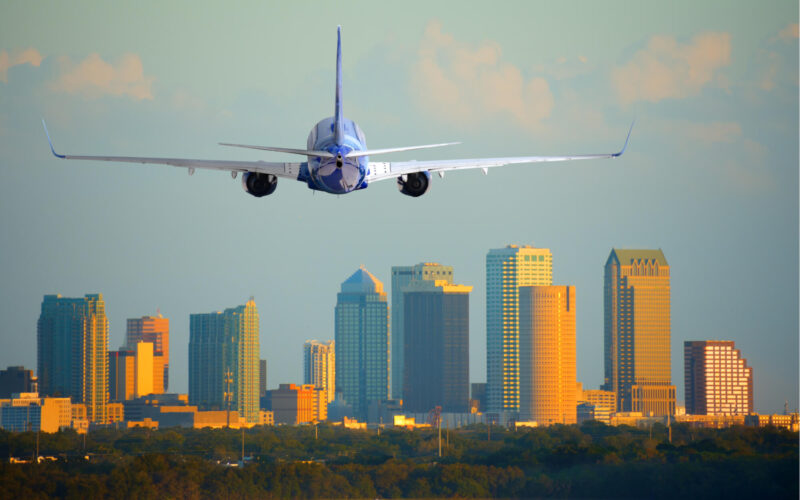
27	56
463	84
790	32
666	69
94	77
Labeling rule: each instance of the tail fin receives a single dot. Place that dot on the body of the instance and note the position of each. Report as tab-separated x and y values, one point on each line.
338	119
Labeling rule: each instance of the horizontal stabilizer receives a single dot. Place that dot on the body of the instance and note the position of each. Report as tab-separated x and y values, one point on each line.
357	154
304	152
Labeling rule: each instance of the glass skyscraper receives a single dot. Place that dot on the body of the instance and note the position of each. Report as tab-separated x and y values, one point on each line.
401	277
224	344
637	331
362	342
507	269
72	351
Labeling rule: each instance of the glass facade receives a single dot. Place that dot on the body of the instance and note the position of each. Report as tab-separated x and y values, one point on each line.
507	269
362	342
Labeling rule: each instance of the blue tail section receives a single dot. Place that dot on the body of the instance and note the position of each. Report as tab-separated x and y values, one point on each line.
338	119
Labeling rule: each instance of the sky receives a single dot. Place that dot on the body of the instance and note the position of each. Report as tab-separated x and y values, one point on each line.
710	175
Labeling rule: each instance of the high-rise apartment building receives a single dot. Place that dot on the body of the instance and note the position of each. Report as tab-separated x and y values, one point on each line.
547	354
507	269
637	331
72	351
362	342
154	329
319	366
223	360
436	346
717	379
401	277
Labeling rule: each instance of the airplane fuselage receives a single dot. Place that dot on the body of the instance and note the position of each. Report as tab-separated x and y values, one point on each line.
340	174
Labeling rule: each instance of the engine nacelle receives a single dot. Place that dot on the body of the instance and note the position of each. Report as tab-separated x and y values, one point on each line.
415	184
259	185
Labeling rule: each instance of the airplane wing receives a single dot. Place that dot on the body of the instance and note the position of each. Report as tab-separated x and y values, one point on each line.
279	169
388	170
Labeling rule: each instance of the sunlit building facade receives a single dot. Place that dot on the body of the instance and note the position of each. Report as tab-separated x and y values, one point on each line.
507	269
637	332
362	342
224	361
319	366
401	277
717	379
154	329
547	354
436	346
72	351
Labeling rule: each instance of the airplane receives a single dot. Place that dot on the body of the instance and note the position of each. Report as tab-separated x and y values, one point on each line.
337	158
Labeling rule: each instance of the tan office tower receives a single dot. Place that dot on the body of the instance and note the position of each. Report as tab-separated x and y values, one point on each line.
637	331
153	329
507	269
319	366
717	379
547	354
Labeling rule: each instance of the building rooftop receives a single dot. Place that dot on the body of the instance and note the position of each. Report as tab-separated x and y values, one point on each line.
626	256
362	281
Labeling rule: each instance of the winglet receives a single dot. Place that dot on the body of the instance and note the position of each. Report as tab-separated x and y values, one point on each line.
338	119
625	146
51	142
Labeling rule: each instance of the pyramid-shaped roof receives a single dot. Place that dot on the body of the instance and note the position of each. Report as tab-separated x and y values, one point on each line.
362	281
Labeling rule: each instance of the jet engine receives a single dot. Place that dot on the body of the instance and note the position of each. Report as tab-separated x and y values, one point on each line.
259	185
415	184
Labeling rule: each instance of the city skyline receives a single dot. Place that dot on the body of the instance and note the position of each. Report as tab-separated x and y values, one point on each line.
710	174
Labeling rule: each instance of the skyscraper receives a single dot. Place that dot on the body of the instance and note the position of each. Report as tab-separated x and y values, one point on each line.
362	342
637	331
436	346
154	329
401	277
16	379
121	375
717	379
262	377
319	366
507	269
72	351
547	354
223	358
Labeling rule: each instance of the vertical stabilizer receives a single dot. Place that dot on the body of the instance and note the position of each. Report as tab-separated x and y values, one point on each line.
338	119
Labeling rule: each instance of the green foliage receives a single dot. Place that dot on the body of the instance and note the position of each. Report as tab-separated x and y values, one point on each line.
289	462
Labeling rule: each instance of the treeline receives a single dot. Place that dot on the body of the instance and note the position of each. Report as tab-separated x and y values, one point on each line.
560	461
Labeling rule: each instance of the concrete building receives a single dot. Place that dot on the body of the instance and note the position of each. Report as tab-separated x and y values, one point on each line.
362	342
401	277
16	379
135	373
295	404
507	269
121	375
28	412
319	366
717	379
72	351
547	356
637	331
223	361
153	329
436	346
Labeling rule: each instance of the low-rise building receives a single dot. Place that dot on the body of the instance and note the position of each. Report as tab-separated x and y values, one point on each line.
28	412
789	421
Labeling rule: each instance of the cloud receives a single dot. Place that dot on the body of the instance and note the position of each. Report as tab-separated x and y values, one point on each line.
94	77
789	33
28	56
464	85
666	69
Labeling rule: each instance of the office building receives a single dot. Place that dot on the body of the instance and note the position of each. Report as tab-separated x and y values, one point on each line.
436	346
507	269
136	372
717	379
319	366
16	379
154	329
362	342
121	375
401	277
223	361
295	404
28	412
262	378
637	332
72	351
547	357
